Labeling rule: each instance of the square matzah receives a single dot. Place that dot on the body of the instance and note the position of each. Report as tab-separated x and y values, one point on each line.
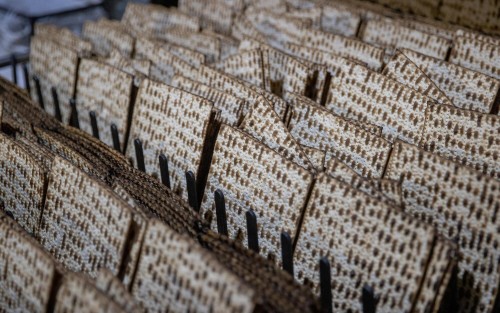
173	122
22	184
403	70
107	35
252	176
390	34
263	124
84	225
55	66
467	137
340	19
176	275
360	94
107	91
476	55
65	37
246	65
26	271
462	204
231	107
350	48
467	89
361	150
366	242
78	294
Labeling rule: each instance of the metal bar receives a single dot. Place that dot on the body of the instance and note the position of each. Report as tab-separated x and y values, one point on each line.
191	189
93	124
75	122
369	300
26	78
139	155
325	281
252	233
55	99
165	175
287	252
116	137
39	91
220	211
13	62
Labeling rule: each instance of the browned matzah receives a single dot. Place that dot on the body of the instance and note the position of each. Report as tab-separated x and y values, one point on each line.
64	37
315	127
171	277
26	271
467	137
22	182
231	107
403	70
105	36
84	224
173	122
350	48
367	242
77	294
467	89
264	125
390	34
462	204
56	66
476	55
107	91
252	176
360	94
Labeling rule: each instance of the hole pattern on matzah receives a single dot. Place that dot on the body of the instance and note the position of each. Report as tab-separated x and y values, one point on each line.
114	289
105	90
362	151
152	20
350	48
387	33
26	272
231	107
467	137
64	37
339	19
476	55
204	43
467	89
264	125
136	67
84	225
366	242
360	94
316	156
246	65
252	176
55	66
176	275
22	182
225	83
173	122
404	71
216	15
140	221
144	48
462	204
77	294
106	36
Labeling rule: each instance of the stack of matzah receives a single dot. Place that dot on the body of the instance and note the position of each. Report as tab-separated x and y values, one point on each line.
339	138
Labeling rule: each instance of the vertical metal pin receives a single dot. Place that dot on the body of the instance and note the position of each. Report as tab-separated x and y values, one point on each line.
220	211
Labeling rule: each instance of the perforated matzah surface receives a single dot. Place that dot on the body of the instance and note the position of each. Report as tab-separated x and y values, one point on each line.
468	137
467	89
56	66
360	94
346	47
22	183
390	34
366	242
113	288
173	122
476	55
64	37
84	225
231	107
264	125
462	204
403	70
246	65
107	91
170	277
106	36
339	19
315	127
252	176
26	271
77	294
